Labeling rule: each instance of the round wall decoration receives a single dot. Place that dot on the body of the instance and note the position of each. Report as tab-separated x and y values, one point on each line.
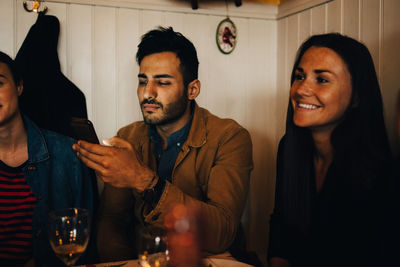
226	36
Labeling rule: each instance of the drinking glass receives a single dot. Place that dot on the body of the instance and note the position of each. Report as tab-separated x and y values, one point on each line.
68	232
152	248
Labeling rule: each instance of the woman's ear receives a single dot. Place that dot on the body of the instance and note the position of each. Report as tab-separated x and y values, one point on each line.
193	89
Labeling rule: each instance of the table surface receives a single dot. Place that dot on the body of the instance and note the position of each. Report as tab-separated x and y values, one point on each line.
209	262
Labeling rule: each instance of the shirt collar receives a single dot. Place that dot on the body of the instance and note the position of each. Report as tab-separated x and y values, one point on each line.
177	138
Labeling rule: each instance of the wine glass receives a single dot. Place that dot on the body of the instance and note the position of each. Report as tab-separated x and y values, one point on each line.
152	248
68	232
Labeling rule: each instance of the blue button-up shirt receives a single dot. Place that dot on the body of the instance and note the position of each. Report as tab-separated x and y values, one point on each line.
166	158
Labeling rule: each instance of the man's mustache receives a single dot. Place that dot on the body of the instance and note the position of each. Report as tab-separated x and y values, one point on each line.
151	102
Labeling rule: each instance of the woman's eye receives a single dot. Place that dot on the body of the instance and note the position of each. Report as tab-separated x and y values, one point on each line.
299	77
322	80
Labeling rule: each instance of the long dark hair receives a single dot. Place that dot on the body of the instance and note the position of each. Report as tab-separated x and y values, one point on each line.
359	141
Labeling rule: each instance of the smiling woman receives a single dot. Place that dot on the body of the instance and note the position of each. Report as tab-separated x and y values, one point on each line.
321	90
333	162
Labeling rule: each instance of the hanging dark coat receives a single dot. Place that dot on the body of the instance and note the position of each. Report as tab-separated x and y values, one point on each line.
49	98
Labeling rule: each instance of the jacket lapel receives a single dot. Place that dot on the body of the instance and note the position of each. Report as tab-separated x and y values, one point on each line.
197	136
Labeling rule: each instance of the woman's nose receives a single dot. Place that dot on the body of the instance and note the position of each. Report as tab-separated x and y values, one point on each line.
303	88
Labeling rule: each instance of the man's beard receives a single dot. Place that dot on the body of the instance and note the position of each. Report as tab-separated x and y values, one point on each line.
170	113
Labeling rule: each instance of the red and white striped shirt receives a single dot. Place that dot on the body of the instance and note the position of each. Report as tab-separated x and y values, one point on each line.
17	203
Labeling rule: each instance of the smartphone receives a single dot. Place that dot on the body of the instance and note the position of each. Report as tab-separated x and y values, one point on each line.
82	129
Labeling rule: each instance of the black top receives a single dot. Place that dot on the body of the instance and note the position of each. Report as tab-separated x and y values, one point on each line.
351	223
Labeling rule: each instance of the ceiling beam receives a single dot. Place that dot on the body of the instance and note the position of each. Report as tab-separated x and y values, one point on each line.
249	8
195	4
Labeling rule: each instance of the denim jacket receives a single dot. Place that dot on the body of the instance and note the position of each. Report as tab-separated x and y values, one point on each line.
58	180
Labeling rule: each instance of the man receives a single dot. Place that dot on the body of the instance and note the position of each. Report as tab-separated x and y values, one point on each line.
39	172
179	154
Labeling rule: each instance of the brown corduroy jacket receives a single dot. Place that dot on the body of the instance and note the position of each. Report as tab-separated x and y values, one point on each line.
211	172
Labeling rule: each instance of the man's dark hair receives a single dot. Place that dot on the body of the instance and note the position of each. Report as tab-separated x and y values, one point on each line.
6	59
167	40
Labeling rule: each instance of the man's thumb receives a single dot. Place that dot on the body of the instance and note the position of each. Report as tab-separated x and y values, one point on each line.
116	142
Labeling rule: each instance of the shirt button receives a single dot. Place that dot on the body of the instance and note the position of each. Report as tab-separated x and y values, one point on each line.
31	168
178	144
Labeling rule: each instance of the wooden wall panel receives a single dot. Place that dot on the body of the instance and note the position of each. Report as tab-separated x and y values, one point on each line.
127	39
283	79
261	101
24	21
7	27
318	20
304	26
292	44
149	20
351	18
371	28
237	84
177	21
80	53
391	66
334	16
104	71
217	88
201	32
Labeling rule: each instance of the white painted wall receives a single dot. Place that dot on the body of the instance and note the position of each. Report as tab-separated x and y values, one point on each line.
98	40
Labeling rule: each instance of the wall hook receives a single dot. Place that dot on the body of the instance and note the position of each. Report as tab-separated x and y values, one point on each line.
35	7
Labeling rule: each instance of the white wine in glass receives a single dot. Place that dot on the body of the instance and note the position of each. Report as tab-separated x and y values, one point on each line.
68	232
152	248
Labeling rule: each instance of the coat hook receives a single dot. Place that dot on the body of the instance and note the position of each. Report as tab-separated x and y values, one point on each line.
35	7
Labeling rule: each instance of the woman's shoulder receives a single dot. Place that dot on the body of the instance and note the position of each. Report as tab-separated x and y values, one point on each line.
53	138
